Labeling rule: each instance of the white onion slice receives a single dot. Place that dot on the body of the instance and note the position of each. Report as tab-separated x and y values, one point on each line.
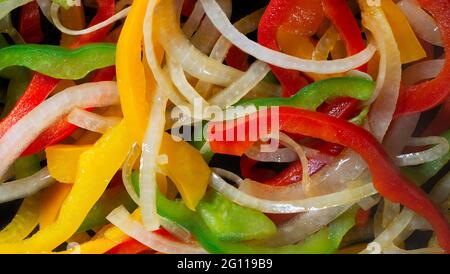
127	169
347	196
123	220
422	71
19	136
54	14
416	158
206	35
45	6
7	27
236	91
150	152
441	191
25	187
177	231
91	121
400	130
194	20
422	23
326	44
228	175
389	75
184	87
6	6
276	58
285	155
269	192
303	225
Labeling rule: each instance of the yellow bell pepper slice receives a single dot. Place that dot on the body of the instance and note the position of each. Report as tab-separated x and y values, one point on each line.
187	169
23	223
62	161
130	71
410	48
96	168
52	199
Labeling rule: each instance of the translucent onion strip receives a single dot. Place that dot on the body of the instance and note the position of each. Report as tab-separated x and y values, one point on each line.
54	14
389	74
303	225
422	71
276	58
236	91
194	20
123	220
422	23
91	121
19	136
25	187
326	44
127	170
206	35
416	158
45	6
184	87
347	196
150	152
228	175
6	6
285	155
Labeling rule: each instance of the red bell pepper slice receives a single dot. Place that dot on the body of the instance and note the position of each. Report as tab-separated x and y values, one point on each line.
362	217
30	23
281	13
386	178
42	86
342	18
237	59
426	95
130	246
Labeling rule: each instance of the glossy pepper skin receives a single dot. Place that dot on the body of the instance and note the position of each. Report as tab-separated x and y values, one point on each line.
326	240
342	18
386	178
276	13
426	95
30	23
315	94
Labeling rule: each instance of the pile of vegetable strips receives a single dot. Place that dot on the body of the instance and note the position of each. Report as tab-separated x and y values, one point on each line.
116	134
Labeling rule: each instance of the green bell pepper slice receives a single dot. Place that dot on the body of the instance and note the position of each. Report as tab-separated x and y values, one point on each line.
59	62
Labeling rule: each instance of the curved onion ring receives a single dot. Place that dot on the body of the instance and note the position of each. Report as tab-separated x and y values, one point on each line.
91	121
422	71
347	196
54	14
25	187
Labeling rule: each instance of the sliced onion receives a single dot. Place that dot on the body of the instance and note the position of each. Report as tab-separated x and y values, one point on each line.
6	6
390	212
179	232
285	155
127	169
276	58
228	175
336	176
422	71
400	130
194	20
7	27
441	191
25	187
348	196
91	121
389	74
416	158
303	225
123	220
207	35
150	152
369	202
220	50
54	14
326	44
422	23
236	91
19	136
269	192
45	6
